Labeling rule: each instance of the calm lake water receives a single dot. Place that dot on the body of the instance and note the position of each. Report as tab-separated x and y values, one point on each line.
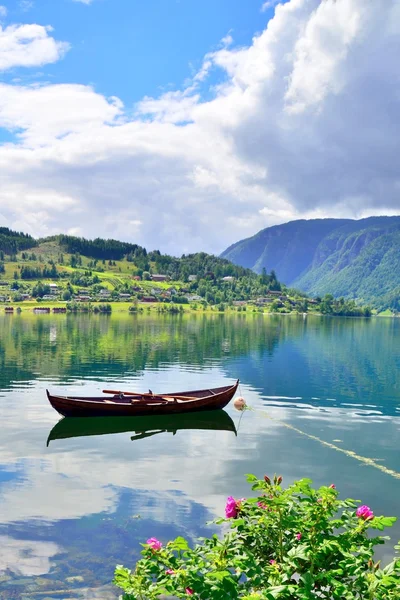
72	510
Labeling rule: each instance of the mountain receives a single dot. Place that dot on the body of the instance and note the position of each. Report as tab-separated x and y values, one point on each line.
357	259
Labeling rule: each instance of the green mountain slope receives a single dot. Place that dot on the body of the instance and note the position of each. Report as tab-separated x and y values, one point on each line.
288	249
355	259
77	267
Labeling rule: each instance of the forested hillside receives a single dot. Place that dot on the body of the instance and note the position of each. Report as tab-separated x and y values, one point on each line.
68	268
176	268
13	241
354	259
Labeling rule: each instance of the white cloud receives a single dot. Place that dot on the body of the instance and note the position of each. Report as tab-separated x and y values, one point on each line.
28	46
3	11
302	123
43	114
26	5
319	54
269	4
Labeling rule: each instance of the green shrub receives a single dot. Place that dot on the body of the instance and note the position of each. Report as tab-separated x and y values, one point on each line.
297	543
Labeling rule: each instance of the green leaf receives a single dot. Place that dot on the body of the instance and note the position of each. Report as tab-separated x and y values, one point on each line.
300	551
277	590
180	543
220	575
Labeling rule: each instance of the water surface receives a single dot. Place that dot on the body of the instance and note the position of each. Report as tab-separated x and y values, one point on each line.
73	509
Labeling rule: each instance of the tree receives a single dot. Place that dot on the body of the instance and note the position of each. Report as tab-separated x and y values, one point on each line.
275	305
75	260
264	277
40	290
326	304
302	306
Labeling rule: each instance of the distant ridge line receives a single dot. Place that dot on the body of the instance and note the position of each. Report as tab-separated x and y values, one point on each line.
353	258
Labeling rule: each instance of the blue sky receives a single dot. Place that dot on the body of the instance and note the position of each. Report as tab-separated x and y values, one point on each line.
188	125
136	48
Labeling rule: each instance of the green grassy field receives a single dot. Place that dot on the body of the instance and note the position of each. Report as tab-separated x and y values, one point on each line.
110	275
123	307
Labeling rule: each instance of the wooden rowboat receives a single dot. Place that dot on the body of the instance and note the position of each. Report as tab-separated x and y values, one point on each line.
134	404
142	427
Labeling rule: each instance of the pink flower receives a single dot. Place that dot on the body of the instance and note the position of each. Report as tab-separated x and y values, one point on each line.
332	486
272	561
154	544
189	591
232	507
364	512
262	505
169	572
298	536
231	510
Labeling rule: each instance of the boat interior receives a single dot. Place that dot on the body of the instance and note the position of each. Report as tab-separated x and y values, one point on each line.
149	397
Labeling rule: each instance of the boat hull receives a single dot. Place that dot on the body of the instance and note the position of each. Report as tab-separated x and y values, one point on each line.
198	400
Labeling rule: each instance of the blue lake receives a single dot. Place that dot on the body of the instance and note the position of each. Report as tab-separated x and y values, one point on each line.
325	400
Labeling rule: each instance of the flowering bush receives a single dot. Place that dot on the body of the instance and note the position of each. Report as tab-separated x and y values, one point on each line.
284	544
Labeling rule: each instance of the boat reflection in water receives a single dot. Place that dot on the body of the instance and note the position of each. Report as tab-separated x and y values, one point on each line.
142	427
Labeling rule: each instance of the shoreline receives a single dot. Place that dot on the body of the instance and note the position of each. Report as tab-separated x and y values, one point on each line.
53	308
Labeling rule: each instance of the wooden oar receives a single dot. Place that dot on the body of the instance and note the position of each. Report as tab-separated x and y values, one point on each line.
117	393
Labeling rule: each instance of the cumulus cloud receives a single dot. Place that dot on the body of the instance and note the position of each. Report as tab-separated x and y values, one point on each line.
28	46
42	115
302	123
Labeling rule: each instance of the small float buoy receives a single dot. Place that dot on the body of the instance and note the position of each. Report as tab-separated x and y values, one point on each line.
239	403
